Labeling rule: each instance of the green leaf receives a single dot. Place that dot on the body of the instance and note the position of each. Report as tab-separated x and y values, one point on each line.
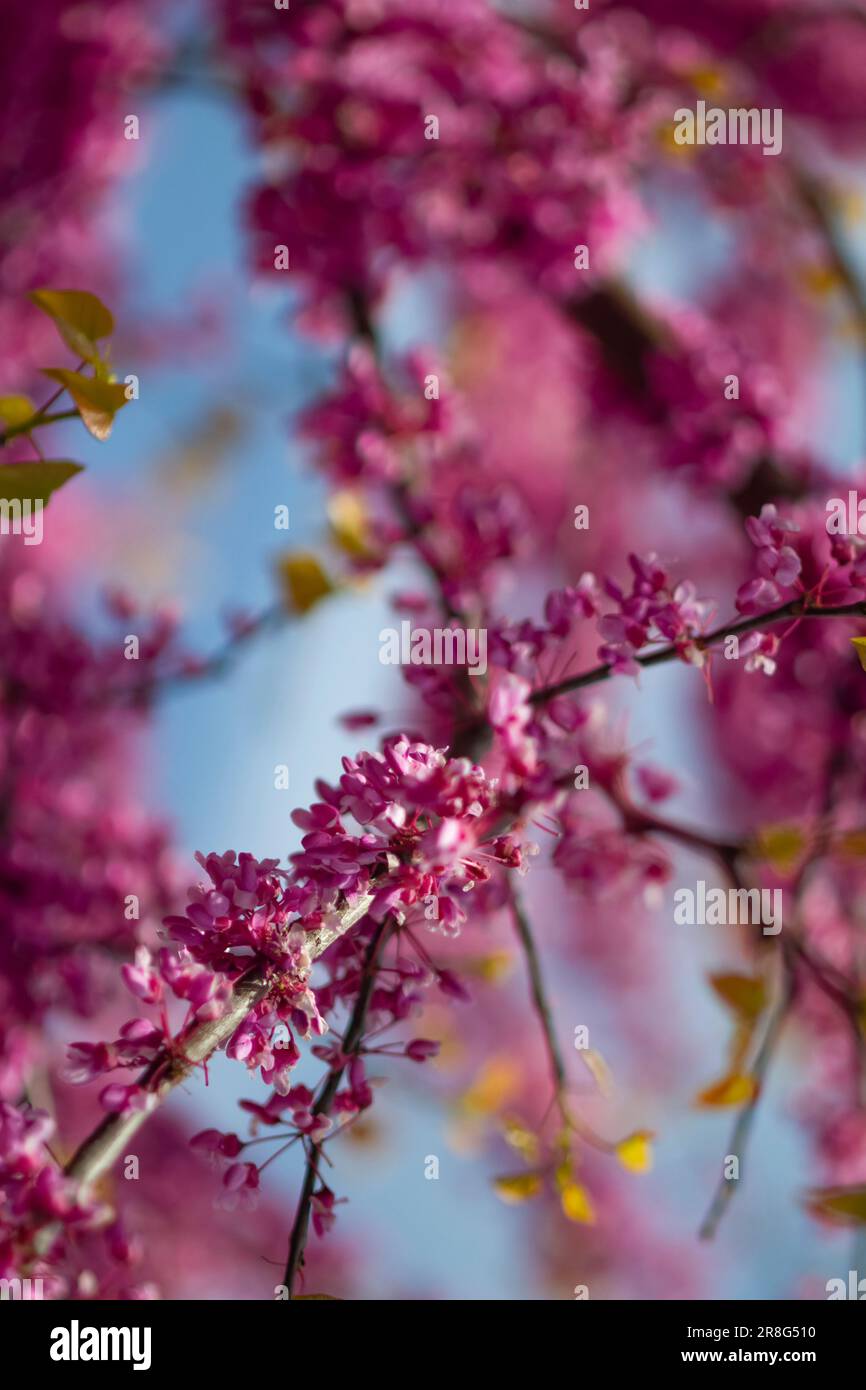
14	410
98	401
35	480
81	319
847	1205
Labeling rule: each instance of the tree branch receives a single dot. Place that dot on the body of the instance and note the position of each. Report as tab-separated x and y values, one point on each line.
796	608
108	1141
745	1119
539	997
322	1106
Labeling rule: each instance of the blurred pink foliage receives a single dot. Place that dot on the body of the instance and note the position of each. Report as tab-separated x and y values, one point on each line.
404	139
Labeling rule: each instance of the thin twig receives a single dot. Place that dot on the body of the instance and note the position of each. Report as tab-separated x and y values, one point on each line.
745	1119
323	1103
539	996
36	422
796	608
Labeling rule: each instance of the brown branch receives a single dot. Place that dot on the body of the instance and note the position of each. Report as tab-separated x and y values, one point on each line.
270	619
108	1141
36	422
745	1119
796	608
539	996
40	416
572	1122
322	1106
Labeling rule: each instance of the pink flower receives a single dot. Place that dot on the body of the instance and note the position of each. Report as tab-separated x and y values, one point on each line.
324	1216
656	784
120	1099
141	980
86	1061
241	1186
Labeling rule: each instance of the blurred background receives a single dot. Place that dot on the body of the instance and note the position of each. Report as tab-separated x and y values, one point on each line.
178	506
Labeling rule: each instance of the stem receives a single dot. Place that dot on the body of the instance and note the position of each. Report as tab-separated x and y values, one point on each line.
108	1141
745	1119
41	417
322	1106
539	996
270	619
36	422
796	608
571	1122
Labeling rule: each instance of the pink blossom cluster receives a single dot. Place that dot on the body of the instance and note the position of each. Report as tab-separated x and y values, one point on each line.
41	1208
486	147
85	879
553	139
83	873
366	76
424	843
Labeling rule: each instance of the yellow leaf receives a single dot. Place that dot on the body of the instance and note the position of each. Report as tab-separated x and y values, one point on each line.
845	1205
518	1187
363	1134
97	401
37	480
820	280
562	1174
780	846
493	1087
744	995
304	581
635	1151
853	842
349	523
577	1205
665	135
15	410
81	319
860	646
736	1089
707	82
316	1298
492	968
520	1138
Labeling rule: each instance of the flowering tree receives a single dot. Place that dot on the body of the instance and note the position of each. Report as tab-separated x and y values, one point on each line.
585	480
